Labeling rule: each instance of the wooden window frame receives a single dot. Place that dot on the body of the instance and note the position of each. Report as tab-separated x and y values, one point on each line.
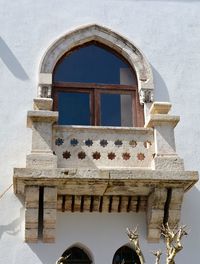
95	90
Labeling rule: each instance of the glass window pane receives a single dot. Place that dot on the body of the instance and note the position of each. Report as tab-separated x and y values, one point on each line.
74	108
93	64
110	110
116	110
126	110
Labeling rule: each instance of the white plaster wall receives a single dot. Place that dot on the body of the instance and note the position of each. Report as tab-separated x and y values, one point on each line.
168	32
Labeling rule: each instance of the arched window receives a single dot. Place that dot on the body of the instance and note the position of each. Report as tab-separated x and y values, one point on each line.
126	255
76	255
92	85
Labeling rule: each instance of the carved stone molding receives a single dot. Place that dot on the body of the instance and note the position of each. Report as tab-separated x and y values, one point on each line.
109	38
146	96
44	91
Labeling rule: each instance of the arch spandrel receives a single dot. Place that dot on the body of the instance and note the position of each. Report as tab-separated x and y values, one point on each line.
104	36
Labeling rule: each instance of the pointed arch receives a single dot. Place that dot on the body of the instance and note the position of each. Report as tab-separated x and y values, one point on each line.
107	37
126	254
78	252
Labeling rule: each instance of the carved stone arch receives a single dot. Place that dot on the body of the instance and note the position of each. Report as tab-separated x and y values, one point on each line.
104	36
83	247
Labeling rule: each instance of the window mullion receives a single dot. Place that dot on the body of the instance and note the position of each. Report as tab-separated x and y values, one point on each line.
96	108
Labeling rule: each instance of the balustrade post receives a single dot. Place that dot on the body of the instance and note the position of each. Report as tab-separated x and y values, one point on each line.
163	124
41	120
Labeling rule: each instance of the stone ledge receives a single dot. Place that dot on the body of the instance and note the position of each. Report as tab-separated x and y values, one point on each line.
160	108
121	182
113	130
43	104
41	116
162	119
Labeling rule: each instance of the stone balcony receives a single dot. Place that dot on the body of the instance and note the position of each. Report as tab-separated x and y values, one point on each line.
101	169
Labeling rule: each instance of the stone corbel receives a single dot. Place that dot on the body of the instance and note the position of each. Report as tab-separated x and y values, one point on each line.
146	96
174	207
40	213
155	213
45	85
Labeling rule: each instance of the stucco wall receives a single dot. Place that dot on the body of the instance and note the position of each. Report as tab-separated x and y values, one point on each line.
168	33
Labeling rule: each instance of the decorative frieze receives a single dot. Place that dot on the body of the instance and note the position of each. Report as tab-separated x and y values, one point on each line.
78	147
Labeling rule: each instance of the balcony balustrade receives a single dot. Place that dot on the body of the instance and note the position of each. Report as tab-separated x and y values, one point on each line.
103	147
101	169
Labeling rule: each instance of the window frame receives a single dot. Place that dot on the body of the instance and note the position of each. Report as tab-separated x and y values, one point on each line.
95	90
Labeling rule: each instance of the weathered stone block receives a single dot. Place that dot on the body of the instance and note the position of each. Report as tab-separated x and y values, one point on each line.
45	78
174	217
41	116
31	218
41	161
50	197
49	218
155	217
48	235
157	199
43	104
168	163
160	108
31	196
31	235
153	235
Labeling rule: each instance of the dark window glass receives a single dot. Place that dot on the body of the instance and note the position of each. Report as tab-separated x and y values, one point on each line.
90	64
74	108
92	85
116	110
110	110
76	256
125	255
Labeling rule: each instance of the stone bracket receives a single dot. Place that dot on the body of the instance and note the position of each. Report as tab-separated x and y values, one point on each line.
155	213
164	206
175	204
42	187
31	213
40	213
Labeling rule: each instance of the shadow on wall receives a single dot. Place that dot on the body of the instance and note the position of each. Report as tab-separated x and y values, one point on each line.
14	227
191	218
161	92
11	61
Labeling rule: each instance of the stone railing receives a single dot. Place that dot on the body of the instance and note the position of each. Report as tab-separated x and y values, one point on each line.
103	147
